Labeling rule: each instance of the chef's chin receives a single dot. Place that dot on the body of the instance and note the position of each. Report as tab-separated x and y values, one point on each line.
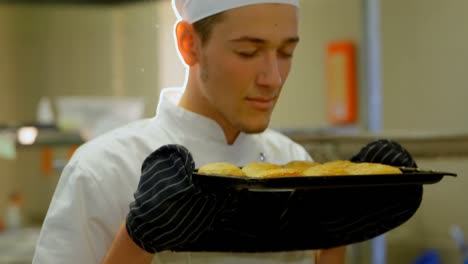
255	127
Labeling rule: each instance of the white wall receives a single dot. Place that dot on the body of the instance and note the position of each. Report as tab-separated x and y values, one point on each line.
172	71
425	64
425	88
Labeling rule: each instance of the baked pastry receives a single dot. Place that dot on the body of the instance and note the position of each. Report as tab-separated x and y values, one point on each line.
281	172
221	168
366	168
335	167
325	170
300	165
338	164
256	169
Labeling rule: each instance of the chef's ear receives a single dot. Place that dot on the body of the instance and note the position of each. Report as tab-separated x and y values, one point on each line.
187	42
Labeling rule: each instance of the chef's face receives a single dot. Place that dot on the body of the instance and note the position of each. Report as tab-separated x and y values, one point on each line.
245	62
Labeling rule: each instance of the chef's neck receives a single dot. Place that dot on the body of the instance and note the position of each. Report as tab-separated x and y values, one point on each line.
193	100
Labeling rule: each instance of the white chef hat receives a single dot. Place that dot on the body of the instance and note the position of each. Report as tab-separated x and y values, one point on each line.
194	10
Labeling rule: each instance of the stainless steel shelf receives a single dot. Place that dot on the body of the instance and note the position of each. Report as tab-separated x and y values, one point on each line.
419	145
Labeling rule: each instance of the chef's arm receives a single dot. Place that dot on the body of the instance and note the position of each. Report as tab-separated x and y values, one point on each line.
162	215
124	250
330	256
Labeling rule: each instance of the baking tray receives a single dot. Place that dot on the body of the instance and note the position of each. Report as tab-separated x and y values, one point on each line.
408	176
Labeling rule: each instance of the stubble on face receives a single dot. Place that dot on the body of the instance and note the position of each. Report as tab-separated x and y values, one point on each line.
205	79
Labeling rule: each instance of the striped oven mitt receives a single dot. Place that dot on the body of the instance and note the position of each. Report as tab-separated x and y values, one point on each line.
385	151
169	210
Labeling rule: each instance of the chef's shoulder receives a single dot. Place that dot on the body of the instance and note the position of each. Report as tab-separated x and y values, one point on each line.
283	144
121	150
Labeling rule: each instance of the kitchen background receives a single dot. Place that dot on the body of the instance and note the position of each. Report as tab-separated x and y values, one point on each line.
127	50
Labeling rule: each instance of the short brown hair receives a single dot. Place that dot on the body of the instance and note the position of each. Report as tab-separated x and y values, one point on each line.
204	26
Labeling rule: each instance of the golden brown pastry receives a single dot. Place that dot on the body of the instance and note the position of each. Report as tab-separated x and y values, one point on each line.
281	172
325	170
221	168
338	164
300	165
365	168
255	169
335	167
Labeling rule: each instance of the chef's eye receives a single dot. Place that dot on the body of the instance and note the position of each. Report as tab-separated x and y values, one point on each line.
285	54
247	54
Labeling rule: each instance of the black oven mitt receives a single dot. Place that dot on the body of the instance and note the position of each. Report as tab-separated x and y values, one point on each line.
385	151
169	210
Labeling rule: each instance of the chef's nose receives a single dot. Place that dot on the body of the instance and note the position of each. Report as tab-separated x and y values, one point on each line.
269	75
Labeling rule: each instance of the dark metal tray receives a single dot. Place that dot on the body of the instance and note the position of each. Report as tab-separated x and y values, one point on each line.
409	176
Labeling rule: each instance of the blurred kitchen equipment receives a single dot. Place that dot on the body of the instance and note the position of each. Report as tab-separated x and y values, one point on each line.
459	238
7	144
18	247
92	115
27	135
428	257
13	221
45	114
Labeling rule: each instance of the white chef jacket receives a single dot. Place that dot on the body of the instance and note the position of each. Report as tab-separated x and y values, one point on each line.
96	187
